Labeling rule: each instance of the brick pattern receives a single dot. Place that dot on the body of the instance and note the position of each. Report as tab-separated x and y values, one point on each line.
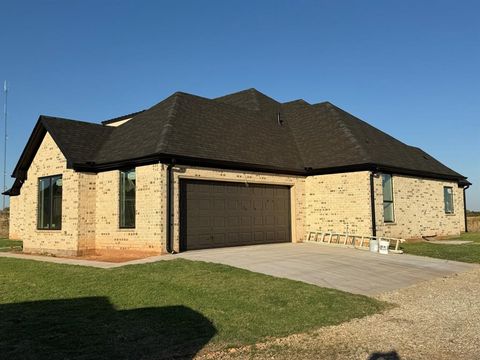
149	232
90	206
86	212
419	208
17	215
49	160
336	201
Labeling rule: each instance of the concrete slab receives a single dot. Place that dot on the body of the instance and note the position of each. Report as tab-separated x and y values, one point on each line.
356	271
351	270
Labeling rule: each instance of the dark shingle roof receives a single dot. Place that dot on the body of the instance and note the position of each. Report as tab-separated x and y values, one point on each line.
246	128
79	141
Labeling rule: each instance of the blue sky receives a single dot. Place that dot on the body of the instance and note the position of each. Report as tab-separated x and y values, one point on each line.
410	68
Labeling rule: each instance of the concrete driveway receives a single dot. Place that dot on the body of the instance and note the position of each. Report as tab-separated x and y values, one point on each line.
355	271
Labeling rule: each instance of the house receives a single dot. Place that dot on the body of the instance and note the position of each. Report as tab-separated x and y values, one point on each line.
194	173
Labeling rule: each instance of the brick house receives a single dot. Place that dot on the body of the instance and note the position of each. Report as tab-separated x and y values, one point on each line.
193	173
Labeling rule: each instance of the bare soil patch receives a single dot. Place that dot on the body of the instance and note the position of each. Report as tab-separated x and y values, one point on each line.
438	319
117	256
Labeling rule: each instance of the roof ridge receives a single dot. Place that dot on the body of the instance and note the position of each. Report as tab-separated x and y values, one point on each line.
294	139
47	117
167	128
225	104
253	95
297	101
183	93
323	103
368	124
348	132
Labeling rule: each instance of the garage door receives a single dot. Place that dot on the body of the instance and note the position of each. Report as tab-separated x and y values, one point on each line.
218	214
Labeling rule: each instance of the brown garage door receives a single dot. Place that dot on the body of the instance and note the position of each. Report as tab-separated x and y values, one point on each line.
218	214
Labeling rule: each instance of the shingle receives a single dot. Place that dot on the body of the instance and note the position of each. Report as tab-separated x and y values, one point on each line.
79	141
246	127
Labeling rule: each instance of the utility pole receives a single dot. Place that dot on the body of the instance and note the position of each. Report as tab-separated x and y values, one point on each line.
5	90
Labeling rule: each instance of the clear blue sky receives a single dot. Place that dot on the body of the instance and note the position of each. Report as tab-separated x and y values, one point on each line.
410	68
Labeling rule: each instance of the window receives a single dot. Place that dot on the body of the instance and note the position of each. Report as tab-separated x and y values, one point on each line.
387	186
448	199
127	199
49	203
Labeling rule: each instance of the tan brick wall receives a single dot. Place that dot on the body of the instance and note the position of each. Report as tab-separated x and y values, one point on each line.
90	206
149	233
334	201
119	122
49	160
297	193
17	211
86	212
419	208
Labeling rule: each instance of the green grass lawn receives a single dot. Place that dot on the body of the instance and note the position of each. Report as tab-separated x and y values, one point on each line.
466	252
7	245
53	311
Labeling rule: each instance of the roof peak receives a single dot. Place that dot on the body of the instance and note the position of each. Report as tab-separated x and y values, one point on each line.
251	99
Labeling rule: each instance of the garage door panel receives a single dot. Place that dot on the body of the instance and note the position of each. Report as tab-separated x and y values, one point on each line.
280	204
204	238
232	204
269	220
219	204
281	220
245	221
218	214
200	221
281	235
259	236
219	221
219	238
245	237
232	237
204	204
233	221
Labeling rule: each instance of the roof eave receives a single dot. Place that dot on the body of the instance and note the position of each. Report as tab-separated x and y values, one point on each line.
185	160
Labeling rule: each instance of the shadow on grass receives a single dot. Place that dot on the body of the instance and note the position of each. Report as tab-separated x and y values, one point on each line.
91	328
392	355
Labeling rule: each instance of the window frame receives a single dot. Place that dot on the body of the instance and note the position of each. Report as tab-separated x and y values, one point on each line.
120	211
452	210
392	201
49	228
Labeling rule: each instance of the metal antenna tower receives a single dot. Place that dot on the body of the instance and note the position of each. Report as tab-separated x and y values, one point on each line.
5	91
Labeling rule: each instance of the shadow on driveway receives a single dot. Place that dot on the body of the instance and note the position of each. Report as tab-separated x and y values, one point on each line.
91	328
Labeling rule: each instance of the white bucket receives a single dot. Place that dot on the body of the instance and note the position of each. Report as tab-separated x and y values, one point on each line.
373	245
383	246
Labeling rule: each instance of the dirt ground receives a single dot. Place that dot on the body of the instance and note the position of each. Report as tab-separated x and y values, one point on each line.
438	319
112	256
117	256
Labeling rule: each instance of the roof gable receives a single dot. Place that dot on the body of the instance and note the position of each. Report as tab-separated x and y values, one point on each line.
77	140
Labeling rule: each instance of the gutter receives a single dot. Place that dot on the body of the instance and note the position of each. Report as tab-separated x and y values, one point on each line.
465	206
232	165
372	203
169	242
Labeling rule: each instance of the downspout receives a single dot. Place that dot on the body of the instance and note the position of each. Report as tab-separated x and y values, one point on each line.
169	241
372	203
465	207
